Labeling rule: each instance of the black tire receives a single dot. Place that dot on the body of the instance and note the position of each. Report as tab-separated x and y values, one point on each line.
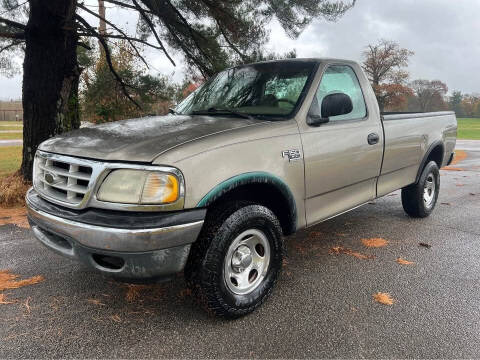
204	271
414	201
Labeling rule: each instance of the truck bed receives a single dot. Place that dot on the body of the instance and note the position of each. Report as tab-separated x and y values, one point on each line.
408	137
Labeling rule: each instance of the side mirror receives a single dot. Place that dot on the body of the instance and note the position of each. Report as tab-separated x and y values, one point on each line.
332	105
336	104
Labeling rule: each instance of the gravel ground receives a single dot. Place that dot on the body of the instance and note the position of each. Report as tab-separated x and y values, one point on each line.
322	306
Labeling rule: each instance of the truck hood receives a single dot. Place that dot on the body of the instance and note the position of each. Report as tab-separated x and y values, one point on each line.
139	140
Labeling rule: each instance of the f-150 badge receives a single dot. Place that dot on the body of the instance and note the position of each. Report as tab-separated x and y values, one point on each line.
292	155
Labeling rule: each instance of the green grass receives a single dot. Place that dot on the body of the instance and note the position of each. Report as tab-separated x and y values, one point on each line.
11	125
10	136
10	159
468	129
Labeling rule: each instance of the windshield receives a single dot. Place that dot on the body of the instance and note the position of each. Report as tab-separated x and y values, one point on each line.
268	89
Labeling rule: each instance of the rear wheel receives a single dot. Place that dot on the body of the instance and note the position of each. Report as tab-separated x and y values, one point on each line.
419	199
234	264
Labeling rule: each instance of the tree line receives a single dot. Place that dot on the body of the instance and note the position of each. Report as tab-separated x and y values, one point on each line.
386	66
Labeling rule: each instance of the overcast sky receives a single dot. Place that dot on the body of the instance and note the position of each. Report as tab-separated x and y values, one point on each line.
444	34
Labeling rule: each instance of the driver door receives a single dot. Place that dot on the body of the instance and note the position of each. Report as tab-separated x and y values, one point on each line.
341	167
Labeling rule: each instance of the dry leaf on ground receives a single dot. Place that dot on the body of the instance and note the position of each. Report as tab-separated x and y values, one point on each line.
383	298
5	301
341	250
374	242
425	245
95	302
116	318
8	280
404	262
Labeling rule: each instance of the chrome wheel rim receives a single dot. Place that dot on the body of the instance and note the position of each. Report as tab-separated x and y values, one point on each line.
429	190
247	261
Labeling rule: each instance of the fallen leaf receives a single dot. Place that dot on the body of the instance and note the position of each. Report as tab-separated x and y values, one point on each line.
428	246
95	302
133	292
5	301
341	250
184	293
7	280
116	318
314	234
450	168
374	242
383	298
404	262
27	305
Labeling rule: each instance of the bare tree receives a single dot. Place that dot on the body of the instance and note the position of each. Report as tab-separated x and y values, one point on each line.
385	66
429	94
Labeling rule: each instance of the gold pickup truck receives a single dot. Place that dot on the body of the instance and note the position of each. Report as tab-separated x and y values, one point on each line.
257	152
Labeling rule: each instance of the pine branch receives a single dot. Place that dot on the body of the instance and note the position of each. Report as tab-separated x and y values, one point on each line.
119	30
108	58
11	45
152	27
9	35
13	23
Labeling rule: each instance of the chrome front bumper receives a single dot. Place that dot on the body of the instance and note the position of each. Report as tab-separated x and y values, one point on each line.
114	248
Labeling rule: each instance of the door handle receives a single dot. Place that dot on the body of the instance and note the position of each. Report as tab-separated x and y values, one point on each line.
373	138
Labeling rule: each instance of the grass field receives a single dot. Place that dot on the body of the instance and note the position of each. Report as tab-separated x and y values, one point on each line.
10	158
469	129
11	125
10	135
7	126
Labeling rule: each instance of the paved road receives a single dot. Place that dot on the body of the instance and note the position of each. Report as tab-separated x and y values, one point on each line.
322	307
10	142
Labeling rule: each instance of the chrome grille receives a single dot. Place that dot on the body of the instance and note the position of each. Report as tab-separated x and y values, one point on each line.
63	179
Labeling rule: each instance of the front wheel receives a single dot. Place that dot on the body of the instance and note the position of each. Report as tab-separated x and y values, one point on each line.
419	199
234	264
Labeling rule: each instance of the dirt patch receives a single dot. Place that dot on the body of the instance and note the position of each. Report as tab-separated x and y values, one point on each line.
12	190
383	298
16	216
374	242
336	250
404	262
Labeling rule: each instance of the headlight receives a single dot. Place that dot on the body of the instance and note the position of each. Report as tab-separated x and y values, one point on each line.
139	187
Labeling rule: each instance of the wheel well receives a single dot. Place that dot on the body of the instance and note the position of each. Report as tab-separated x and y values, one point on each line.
267	195
436	155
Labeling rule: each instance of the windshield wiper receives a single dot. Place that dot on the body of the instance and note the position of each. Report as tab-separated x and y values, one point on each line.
214	110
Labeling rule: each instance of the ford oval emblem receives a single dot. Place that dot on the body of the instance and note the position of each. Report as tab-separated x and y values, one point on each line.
49	178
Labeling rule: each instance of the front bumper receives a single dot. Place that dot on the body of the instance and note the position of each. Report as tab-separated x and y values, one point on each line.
124	244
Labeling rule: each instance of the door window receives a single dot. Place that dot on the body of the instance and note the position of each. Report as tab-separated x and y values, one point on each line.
340	79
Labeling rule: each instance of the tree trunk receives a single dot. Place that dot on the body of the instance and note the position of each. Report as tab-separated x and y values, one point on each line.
50	75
